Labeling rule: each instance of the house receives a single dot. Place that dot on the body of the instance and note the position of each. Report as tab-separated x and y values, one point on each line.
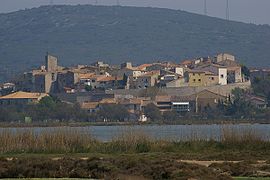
223	57
133	105
127	65
90	107
142	67
197	102
187	63
234	71
22	98
100	64
7	88
163	103
146	80
207	99
67	79
257	101
181	107
259	74
217	70
85	79
180	82
202	78
129	72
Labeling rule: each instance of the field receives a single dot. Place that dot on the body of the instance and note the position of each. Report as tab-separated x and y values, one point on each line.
133	155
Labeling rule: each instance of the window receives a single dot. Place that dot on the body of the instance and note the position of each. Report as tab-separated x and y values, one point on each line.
222	76
194	80
199	80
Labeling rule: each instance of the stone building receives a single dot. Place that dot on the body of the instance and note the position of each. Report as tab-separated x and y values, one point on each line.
51	63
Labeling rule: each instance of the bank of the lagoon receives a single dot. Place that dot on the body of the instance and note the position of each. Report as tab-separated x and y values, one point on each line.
159	132
142	152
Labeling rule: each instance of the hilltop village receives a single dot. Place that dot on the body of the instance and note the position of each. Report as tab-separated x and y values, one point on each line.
192	86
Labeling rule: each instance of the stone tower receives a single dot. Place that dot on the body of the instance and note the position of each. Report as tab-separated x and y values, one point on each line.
51	63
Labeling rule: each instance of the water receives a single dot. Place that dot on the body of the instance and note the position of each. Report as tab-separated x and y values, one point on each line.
164	132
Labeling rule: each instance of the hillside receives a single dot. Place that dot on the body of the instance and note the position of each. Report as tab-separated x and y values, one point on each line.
83	34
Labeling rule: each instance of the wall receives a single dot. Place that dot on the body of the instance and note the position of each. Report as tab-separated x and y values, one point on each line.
222	74
196	79
224	90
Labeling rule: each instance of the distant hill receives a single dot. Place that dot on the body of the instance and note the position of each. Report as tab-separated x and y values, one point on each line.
84	33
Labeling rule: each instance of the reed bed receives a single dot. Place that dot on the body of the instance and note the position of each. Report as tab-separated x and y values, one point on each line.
79	140
53	141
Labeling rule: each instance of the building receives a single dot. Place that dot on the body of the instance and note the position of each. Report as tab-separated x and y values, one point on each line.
21	98
234	71
207	99
163	103
224	56
146	80
259	74
202	78
127	65
90	107
51	63
181	107
217	70
257	101
43	82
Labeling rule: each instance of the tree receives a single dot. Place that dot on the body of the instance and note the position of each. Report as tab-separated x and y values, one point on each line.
88	88
115	112
170	116
239	106
151	111
245	71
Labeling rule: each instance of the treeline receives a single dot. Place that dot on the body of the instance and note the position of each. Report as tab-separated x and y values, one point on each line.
237	106
48	109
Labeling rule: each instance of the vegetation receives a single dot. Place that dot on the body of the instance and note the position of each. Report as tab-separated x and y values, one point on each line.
48	109
29	154
151	111
118	33
113	112
79	140
261	87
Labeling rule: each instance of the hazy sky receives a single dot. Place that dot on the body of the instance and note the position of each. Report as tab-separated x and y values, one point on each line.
251	11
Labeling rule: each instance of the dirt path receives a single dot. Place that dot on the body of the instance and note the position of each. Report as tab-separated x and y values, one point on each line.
206	163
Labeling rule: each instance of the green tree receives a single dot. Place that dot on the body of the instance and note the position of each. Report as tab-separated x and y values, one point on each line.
239	106
245	71
114	112
88	88
170	116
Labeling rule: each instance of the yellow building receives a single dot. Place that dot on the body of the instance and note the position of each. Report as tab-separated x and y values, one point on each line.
201	78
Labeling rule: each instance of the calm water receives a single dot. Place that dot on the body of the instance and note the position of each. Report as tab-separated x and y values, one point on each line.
166	132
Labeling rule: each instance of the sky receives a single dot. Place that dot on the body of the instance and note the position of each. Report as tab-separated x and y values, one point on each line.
250	11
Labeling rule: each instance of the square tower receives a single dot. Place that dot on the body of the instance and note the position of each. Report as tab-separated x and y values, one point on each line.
51	63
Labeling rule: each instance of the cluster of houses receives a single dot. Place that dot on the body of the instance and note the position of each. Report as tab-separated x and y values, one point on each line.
194	83
52	78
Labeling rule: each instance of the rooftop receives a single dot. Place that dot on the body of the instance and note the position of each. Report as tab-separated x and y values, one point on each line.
24	95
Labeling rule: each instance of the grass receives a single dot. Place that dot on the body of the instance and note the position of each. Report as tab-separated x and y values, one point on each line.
68	140
251	178
133	152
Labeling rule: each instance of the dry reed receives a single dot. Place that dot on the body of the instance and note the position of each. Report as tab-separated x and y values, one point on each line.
131	140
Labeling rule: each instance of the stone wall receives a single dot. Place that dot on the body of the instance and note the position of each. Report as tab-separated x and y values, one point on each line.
224	90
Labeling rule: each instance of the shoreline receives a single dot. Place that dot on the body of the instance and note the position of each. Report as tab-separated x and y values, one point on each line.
86	124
